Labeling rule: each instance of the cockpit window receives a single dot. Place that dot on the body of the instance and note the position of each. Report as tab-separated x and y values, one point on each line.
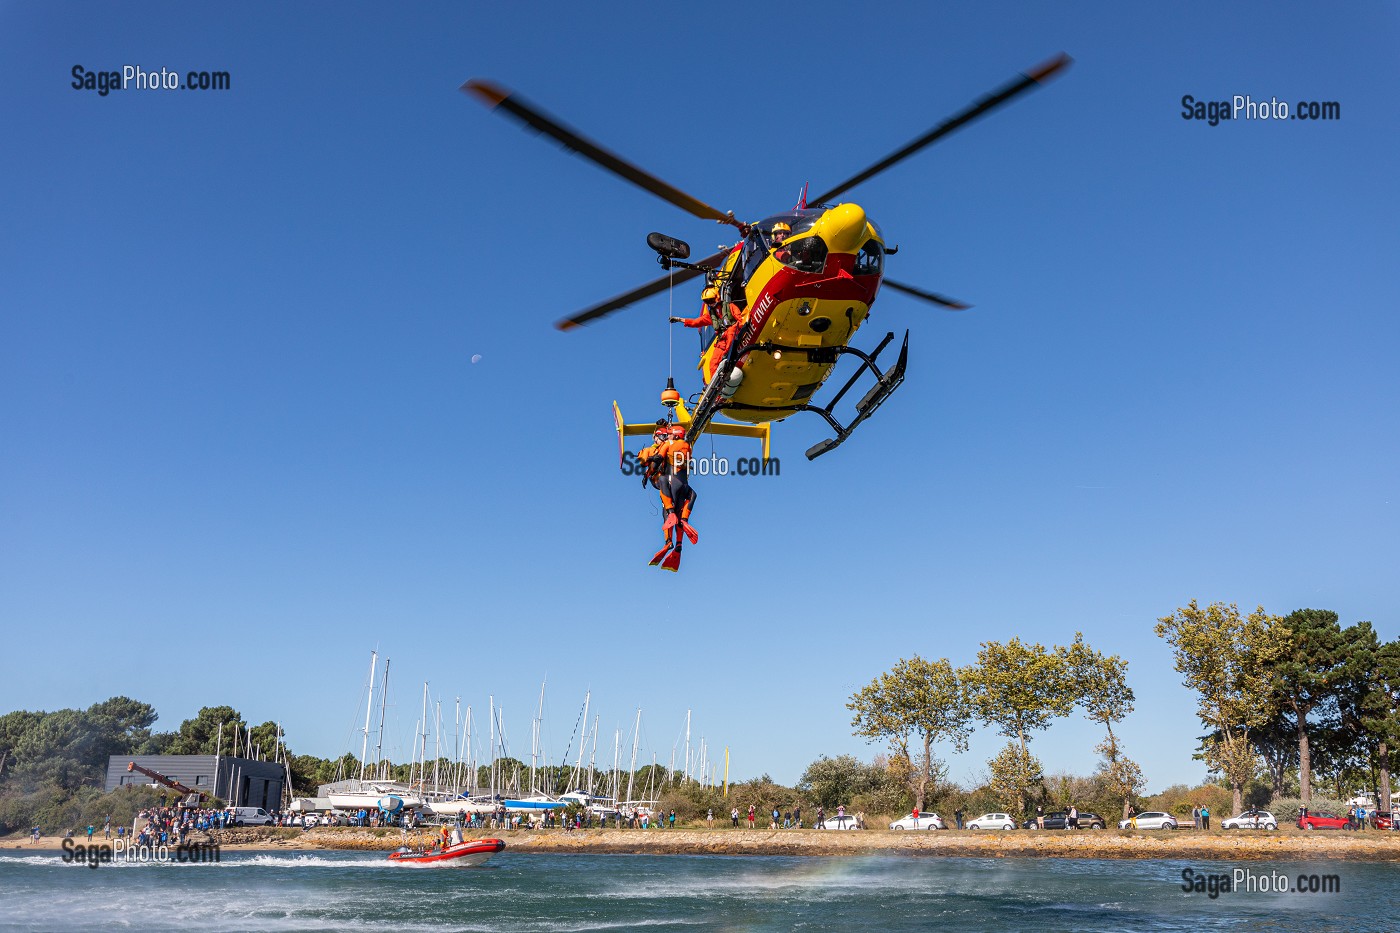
799	221
755	251
805	254
870	259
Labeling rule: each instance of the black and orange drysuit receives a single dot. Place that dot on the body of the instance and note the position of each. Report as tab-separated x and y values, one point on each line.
668	469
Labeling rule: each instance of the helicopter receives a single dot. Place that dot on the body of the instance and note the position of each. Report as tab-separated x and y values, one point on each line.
789	296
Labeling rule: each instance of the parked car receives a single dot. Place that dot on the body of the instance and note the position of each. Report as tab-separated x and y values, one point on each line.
841	822
1250	819
992	821
1150	820
922	821
248	816
1323	821
1057	820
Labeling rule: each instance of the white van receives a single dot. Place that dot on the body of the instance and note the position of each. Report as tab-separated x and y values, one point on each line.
248	816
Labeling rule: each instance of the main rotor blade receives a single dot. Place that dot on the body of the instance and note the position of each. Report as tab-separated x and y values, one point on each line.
987	104
952	304
637	294
497	97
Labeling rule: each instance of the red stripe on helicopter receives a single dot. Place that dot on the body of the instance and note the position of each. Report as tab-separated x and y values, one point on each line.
834	283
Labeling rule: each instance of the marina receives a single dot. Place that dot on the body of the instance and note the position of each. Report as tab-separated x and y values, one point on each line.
469	783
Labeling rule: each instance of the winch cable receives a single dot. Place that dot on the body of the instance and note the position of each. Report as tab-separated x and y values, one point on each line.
670	333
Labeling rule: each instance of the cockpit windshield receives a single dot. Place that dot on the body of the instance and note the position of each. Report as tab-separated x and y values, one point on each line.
805	253
798	221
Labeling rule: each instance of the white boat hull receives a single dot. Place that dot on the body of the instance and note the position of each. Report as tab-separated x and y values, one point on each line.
453	807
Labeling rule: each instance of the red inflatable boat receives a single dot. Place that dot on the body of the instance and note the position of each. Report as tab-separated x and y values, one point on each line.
463	854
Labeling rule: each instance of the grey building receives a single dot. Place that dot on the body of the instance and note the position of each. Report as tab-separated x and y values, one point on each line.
241	782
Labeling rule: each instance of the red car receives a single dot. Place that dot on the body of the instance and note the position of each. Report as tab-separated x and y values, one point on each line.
1323	821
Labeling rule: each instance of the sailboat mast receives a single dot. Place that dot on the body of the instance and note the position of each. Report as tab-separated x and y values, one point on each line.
536	739
578	763
369	707
632	770
379	748
617	750
593	755
437	743
423	739
218	753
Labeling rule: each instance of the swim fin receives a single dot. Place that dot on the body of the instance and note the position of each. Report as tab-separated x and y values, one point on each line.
690	532
670	521
672	561
660	555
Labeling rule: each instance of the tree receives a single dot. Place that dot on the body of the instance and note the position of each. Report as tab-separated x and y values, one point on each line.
1122	775
918	699
1368	686
199	736
835	781
1276	741
265	739
1228	661
1102	683
1015	773
69	747
1307	675
1381	713
1020	688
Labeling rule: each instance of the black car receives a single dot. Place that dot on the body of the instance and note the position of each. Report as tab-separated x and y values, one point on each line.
1057	820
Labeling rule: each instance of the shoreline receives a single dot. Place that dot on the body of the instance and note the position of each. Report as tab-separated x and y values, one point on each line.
1107	844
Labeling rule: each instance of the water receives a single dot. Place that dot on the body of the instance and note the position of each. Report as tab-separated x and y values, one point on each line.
527	892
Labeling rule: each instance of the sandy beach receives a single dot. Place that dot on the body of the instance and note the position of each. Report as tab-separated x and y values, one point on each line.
1109	844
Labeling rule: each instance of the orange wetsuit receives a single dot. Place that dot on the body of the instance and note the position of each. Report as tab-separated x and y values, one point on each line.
723	340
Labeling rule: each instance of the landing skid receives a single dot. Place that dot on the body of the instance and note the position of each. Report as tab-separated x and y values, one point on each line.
885	384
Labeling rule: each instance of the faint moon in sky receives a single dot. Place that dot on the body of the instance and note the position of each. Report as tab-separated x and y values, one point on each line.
476	357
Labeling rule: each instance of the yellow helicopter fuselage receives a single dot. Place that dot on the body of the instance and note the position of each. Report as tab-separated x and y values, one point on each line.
810	294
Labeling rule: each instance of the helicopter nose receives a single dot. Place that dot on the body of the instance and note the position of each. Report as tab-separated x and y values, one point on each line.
844	228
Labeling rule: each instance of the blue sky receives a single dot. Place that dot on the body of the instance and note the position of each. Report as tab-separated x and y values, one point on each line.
245	441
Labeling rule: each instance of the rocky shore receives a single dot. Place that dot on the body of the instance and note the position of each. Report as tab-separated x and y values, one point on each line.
1286	844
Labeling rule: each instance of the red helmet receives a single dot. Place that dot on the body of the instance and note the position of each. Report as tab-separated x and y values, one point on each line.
678	430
